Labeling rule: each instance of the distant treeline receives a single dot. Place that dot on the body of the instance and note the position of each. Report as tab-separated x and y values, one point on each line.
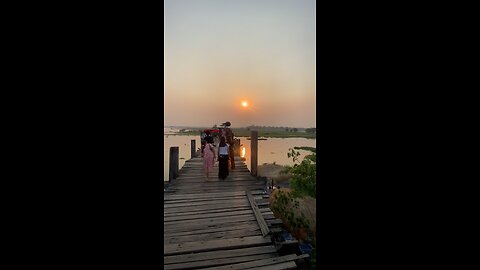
263	131
259	128
288	129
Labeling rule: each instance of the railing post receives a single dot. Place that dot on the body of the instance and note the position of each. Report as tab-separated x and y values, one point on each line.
237	147
193	148
254	152
173	164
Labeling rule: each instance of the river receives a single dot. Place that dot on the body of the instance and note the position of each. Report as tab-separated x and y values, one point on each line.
272	150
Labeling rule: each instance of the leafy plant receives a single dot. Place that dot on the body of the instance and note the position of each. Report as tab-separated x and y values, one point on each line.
304	173
284	206
303	183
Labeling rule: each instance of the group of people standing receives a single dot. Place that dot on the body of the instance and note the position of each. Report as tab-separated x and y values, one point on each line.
225	152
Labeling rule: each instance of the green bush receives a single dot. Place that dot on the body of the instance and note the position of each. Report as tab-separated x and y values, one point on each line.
303	181
284	206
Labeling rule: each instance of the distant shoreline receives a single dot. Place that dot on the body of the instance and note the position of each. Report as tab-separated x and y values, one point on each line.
264	132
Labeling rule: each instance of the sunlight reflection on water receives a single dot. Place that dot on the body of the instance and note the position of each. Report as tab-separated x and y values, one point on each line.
269	151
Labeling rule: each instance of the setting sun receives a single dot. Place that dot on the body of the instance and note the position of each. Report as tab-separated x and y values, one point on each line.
244	104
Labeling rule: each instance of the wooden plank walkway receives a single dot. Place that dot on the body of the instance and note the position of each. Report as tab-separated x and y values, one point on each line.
219	224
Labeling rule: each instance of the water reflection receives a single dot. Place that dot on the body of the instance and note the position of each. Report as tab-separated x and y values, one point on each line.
272	150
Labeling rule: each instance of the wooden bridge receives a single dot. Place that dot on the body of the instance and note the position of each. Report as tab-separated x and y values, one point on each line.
221	224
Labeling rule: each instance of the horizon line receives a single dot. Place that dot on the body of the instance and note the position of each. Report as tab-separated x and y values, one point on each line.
205	126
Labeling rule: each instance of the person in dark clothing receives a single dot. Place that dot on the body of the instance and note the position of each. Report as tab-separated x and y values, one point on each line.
230	141
223	153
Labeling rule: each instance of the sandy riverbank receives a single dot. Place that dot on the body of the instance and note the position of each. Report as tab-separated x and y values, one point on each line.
272	172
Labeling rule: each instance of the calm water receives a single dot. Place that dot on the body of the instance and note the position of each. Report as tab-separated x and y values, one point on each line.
269	151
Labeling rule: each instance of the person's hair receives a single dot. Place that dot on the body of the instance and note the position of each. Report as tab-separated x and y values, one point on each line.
222	142
207	132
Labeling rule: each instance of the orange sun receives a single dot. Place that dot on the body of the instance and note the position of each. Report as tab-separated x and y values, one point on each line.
244	104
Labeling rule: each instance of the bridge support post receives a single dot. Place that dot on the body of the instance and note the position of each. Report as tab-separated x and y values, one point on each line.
173	163
193	148
237	147
254	152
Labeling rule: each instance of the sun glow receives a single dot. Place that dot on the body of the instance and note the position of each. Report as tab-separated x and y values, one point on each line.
244	104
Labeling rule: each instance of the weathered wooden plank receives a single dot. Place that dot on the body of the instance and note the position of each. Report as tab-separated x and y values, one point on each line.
211	236
258	263
280	266
223	185
190	169
180	189
261	222
213	179
262	203
171	228
211	186
198	175
199	167
198	170
210	220
203	199
209	202
268	216
189	173
205	211
225	204
206	215
190	165
204	207
204	225
215	190
219	254
199	160
196	167
216	181
182	248
252	225
217	262
202	195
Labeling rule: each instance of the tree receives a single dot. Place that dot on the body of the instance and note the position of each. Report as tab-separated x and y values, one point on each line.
295	129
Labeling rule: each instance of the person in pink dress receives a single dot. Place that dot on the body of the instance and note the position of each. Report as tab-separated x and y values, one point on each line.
208	157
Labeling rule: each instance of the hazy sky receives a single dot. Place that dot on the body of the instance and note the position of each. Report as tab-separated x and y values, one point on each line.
219	53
